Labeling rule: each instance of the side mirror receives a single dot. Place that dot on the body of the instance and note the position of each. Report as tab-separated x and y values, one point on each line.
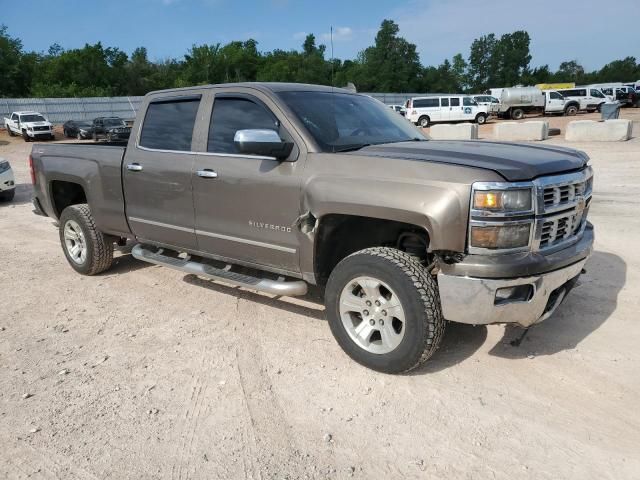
262	142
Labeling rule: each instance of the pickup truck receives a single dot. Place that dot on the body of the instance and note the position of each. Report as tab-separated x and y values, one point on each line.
275	186
31	125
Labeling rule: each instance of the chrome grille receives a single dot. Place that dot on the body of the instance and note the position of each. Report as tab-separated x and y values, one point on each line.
559	229
40	129
556	197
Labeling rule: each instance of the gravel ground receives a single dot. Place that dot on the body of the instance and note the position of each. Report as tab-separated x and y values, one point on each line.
143	372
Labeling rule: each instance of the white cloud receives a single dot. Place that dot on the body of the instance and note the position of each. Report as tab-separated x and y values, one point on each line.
300	35
559	31
340	34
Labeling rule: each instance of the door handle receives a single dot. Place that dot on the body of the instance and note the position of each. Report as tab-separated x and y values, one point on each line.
134	167
207	173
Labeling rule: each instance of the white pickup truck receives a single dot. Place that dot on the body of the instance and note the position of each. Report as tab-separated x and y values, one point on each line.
31	125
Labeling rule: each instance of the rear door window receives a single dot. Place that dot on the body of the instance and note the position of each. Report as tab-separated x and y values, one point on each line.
444	102
455	102
168	124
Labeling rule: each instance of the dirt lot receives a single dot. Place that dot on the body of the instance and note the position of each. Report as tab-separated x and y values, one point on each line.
144	372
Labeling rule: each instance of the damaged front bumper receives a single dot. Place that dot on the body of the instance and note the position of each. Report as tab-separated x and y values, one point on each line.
524	300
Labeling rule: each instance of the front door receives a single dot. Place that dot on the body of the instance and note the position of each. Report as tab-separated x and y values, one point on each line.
246	205
157	174
555	102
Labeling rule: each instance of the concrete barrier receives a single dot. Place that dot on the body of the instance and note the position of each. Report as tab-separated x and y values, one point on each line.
591	131
524	131
458	131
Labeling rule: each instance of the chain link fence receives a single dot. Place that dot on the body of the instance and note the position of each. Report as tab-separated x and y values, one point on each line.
59	110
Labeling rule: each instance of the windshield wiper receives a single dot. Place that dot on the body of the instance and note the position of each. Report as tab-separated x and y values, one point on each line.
351	148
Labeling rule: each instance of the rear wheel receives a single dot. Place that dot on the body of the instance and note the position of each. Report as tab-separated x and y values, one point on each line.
384	309
517	114
87	249
571	110
424	121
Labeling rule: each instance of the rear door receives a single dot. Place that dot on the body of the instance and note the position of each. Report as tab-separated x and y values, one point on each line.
246	205
157	173
455	109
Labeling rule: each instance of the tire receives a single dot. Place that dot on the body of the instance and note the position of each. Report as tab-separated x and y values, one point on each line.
424	121
571	111
403	281
79	136
25	136
481	119
517	114
97	247
10	132
8	195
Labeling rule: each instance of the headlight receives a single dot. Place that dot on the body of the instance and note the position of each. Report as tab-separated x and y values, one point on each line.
504	236
517	200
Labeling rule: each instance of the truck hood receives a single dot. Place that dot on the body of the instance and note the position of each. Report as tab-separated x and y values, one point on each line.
36	124
513	161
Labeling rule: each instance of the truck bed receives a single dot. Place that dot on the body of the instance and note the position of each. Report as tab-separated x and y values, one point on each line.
96	167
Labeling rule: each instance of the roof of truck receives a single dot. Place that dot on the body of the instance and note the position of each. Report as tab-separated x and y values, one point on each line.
270	86
27	112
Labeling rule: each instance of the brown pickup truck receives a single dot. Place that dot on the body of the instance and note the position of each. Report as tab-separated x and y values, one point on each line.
277	186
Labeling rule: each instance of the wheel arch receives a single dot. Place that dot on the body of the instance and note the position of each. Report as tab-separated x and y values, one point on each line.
338	235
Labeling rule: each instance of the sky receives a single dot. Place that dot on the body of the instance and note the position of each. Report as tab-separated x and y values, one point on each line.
593	32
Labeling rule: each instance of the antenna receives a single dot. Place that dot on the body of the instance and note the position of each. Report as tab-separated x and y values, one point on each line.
332	59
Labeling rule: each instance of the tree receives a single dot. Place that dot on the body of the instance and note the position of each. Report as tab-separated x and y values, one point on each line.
10	65
481	62
392	64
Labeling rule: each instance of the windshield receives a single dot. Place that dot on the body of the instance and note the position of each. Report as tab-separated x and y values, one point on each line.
341	121
113	122
32	118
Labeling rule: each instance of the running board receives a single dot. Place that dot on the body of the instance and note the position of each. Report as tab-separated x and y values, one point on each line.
276	287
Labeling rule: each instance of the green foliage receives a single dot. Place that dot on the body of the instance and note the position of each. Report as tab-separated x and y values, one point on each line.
391	64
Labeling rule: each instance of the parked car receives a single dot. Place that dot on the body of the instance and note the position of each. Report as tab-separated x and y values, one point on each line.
80	129
398	108
112	129
31	125
7	181
489	101
517	101
424	111
589	98
623	94
272	191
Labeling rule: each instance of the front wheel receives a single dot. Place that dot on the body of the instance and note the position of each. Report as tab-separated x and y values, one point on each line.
384	309
481	119
87	249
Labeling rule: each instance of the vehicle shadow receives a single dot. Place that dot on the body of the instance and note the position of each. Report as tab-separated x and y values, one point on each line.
284	303
22	196
587	307
459	343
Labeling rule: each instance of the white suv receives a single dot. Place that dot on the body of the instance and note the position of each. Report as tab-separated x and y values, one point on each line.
590	98
424	111
7	182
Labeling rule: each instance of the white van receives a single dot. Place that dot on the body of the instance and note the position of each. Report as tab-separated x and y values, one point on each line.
424	111
589	98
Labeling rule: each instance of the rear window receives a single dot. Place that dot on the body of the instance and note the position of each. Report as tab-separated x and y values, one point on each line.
168	125
425	102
